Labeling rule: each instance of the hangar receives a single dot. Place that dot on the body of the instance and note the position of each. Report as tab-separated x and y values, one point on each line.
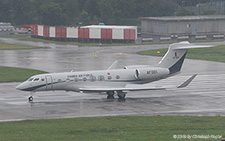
6	28
88	34
183	27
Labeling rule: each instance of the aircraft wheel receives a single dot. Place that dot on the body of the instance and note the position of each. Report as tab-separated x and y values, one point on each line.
121	95
110	95
30	99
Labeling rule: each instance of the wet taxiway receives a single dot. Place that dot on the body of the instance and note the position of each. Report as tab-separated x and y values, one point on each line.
204	96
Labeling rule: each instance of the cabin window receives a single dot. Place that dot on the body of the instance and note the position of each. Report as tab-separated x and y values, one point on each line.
101	78
117	77
92	78
30	79
36	79
109	77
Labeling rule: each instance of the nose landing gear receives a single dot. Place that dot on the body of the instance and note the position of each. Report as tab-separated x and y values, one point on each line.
30	98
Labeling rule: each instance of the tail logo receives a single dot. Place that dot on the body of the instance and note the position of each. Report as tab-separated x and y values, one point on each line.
175	55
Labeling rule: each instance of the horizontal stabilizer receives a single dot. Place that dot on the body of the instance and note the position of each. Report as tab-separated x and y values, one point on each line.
192	46
187	82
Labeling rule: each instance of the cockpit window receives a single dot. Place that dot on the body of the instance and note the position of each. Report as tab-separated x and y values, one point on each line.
30	79
36	79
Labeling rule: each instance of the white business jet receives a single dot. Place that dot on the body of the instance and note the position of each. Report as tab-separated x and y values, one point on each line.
111	81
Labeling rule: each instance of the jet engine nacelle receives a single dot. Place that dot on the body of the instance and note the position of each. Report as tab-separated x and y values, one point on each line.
151	73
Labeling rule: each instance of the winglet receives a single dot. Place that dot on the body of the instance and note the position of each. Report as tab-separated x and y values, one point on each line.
187	82
113	66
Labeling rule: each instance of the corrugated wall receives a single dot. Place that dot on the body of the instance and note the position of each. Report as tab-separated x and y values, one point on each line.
72	32
40	30
106	33
60	32
52	32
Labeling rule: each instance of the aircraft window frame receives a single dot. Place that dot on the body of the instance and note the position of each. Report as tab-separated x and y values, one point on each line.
109	77
30	79
93	78
101	78
36	79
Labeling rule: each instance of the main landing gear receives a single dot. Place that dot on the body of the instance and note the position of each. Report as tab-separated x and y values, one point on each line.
110	94
120	94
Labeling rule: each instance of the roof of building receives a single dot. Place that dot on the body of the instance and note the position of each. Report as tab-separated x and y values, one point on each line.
185	18
109	27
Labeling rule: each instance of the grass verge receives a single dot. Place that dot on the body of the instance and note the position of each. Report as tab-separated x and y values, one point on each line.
12	74
5	46
28	38
211	54
114	128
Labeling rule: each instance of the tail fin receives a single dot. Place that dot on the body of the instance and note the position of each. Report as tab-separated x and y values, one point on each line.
174	58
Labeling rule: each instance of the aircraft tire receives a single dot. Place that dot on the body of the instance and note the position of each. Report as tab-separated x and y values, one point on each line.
110	95
30	99
121	95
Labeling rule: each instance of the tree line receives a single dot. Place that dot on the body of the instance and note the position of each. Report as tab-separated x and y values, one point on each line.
84	12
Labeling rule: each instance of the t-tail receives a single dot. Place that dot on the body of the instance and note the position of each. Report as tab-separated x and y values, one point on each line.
174	58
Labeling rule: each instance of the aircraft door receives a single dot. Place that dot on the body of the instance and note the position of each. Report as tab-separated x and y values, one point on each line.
49	82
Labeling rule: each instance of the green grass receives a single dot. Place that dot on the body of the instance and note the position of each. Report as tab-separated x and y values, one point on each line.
12	74
156	128
5	46
211	54
28	38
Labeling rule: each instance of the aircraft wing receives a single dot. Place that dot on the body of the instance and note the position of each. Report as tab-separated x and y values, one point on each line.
113	66
135	87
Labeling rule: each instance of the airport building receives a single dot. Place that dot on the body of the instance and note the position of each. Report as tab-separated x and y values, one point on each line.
189	28
88	34
6	28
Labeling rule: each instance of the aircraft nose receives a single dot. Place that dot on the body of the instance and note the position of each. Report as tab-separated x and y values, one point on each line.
20	87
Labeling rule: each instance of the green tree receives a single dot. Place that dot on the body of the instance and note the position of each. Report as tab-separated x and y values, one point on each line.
185	12
206	11
4	10
71	10
51	14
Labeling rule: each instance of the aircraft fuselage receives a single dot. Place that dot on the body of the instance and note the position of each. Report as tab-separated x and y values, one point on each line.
73	81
